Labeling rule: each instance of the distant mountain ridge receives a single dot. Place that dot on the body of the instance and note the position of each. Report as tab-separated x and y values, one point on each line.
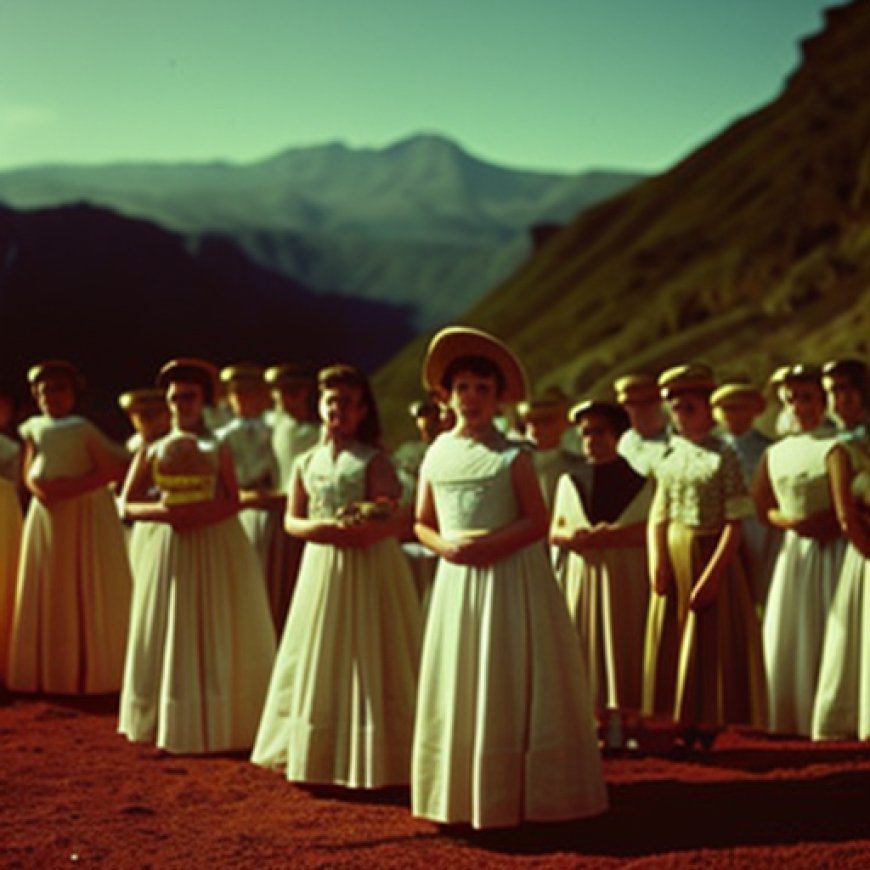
420	222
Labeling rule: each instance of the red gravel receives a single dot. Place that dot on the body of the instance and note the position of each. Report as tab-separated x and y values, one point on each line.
74	793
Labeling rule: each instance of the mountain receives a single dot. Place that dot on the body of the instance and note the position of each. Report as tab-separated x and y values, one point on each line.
752	252
120	297
420	223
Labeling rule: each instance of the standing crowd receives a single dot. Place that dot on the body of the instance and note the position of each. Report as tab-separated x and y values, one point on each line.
477	614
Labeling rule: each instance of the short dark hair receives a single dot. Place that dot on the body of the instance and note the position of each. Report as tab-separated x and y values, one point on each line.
481	366
342	375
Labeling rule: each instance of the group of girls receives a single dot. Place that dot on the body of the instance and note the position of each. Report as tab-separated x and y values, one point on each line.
489	712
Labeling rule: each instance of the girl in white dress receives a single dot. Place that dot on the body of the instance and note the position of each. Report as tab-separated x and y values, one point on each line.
842	708
201	641
340	708
792	493
73	594
505	730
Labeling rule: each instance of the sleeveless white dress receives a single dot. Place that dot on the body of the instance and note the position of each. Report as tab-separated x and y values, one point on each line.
842	708
505	730
10	542
804	580
340	706
201	642
72	599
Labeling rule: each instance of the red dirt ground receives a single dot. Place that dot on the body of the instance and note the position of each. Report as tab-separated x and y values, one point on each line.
74	793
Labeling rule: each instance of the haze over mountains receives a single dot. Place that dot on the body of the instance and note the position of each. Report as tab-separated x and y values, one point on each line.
752	252
420	223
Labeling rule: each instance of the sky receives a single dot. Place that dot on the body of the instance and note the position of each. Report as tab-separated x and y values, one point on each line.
561	85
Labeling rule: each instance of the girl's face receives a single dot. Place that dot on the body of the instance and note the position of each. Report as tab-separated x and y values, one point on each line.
692	414
185	402
56	397
599	439
474	399
342	410
806	400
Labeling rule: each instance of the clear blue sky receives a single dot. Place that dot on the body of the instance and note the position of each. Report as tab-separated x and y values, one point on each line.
546	84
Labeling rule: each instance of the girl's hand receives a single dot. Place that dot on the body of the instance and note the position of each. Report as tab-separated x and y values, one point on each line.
663	578
471	551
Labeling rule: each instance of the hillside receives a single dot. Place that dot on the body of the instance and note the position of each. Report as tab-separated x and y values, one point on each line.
752	252
120	297
420	223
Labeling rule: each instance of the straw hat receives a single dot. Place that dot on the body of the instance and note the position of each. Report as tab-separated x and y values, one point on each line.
615	414
691	377
289	373
738	395
136	401
457	341
548	403
638	387
243	374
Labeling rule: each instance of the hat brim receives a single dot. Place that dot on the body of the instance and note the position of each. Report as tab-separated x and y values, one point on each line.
458	341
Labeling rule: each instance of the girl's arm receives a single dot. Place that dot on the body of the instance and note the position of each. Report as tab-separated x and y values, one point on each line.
134	502
849	517
766	506
607	536
707	588
530	526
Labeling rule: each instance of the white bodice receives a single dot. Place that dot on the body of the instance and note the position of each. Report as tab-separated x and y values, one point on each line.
250	442
797	472
471	483
334	483
62	445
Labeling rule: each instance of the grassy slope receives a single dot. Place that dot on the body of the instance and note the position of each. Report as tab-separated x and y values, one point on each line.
753	251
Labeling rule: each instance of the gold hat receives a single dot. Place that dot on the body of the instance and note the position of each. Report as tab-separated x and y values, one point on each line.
423	408
636	387
242	374
134	401
457	341
287	373
690	377
49	368
802	372
551	401
614	413
777	378
738	394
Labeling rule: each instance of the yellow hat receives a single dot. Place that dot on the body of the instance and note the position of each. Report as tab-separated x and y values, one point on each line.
287	373
638	387
242	374
458	341
551	401
134	401
738	394
690	377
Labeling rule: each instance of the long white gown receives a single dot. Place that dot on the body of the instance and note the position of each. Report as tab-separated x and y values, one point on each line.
201	642
803	584
505	730
340	706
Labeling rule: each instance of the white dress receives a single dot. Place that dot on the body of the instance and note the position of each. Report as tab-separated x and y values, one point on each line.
201	641
804	580
505	730
607	593
73	594
340	707
842	708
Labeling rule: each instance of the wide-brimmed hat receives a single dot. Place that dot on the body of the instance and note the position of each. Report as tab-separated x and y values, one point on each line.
687	378
143	399
615	414
198	371
802	373
738	395
458	341
636	387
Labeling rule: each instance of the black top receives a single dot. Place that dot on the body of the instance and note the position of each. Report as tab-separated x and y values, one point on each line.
607	490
